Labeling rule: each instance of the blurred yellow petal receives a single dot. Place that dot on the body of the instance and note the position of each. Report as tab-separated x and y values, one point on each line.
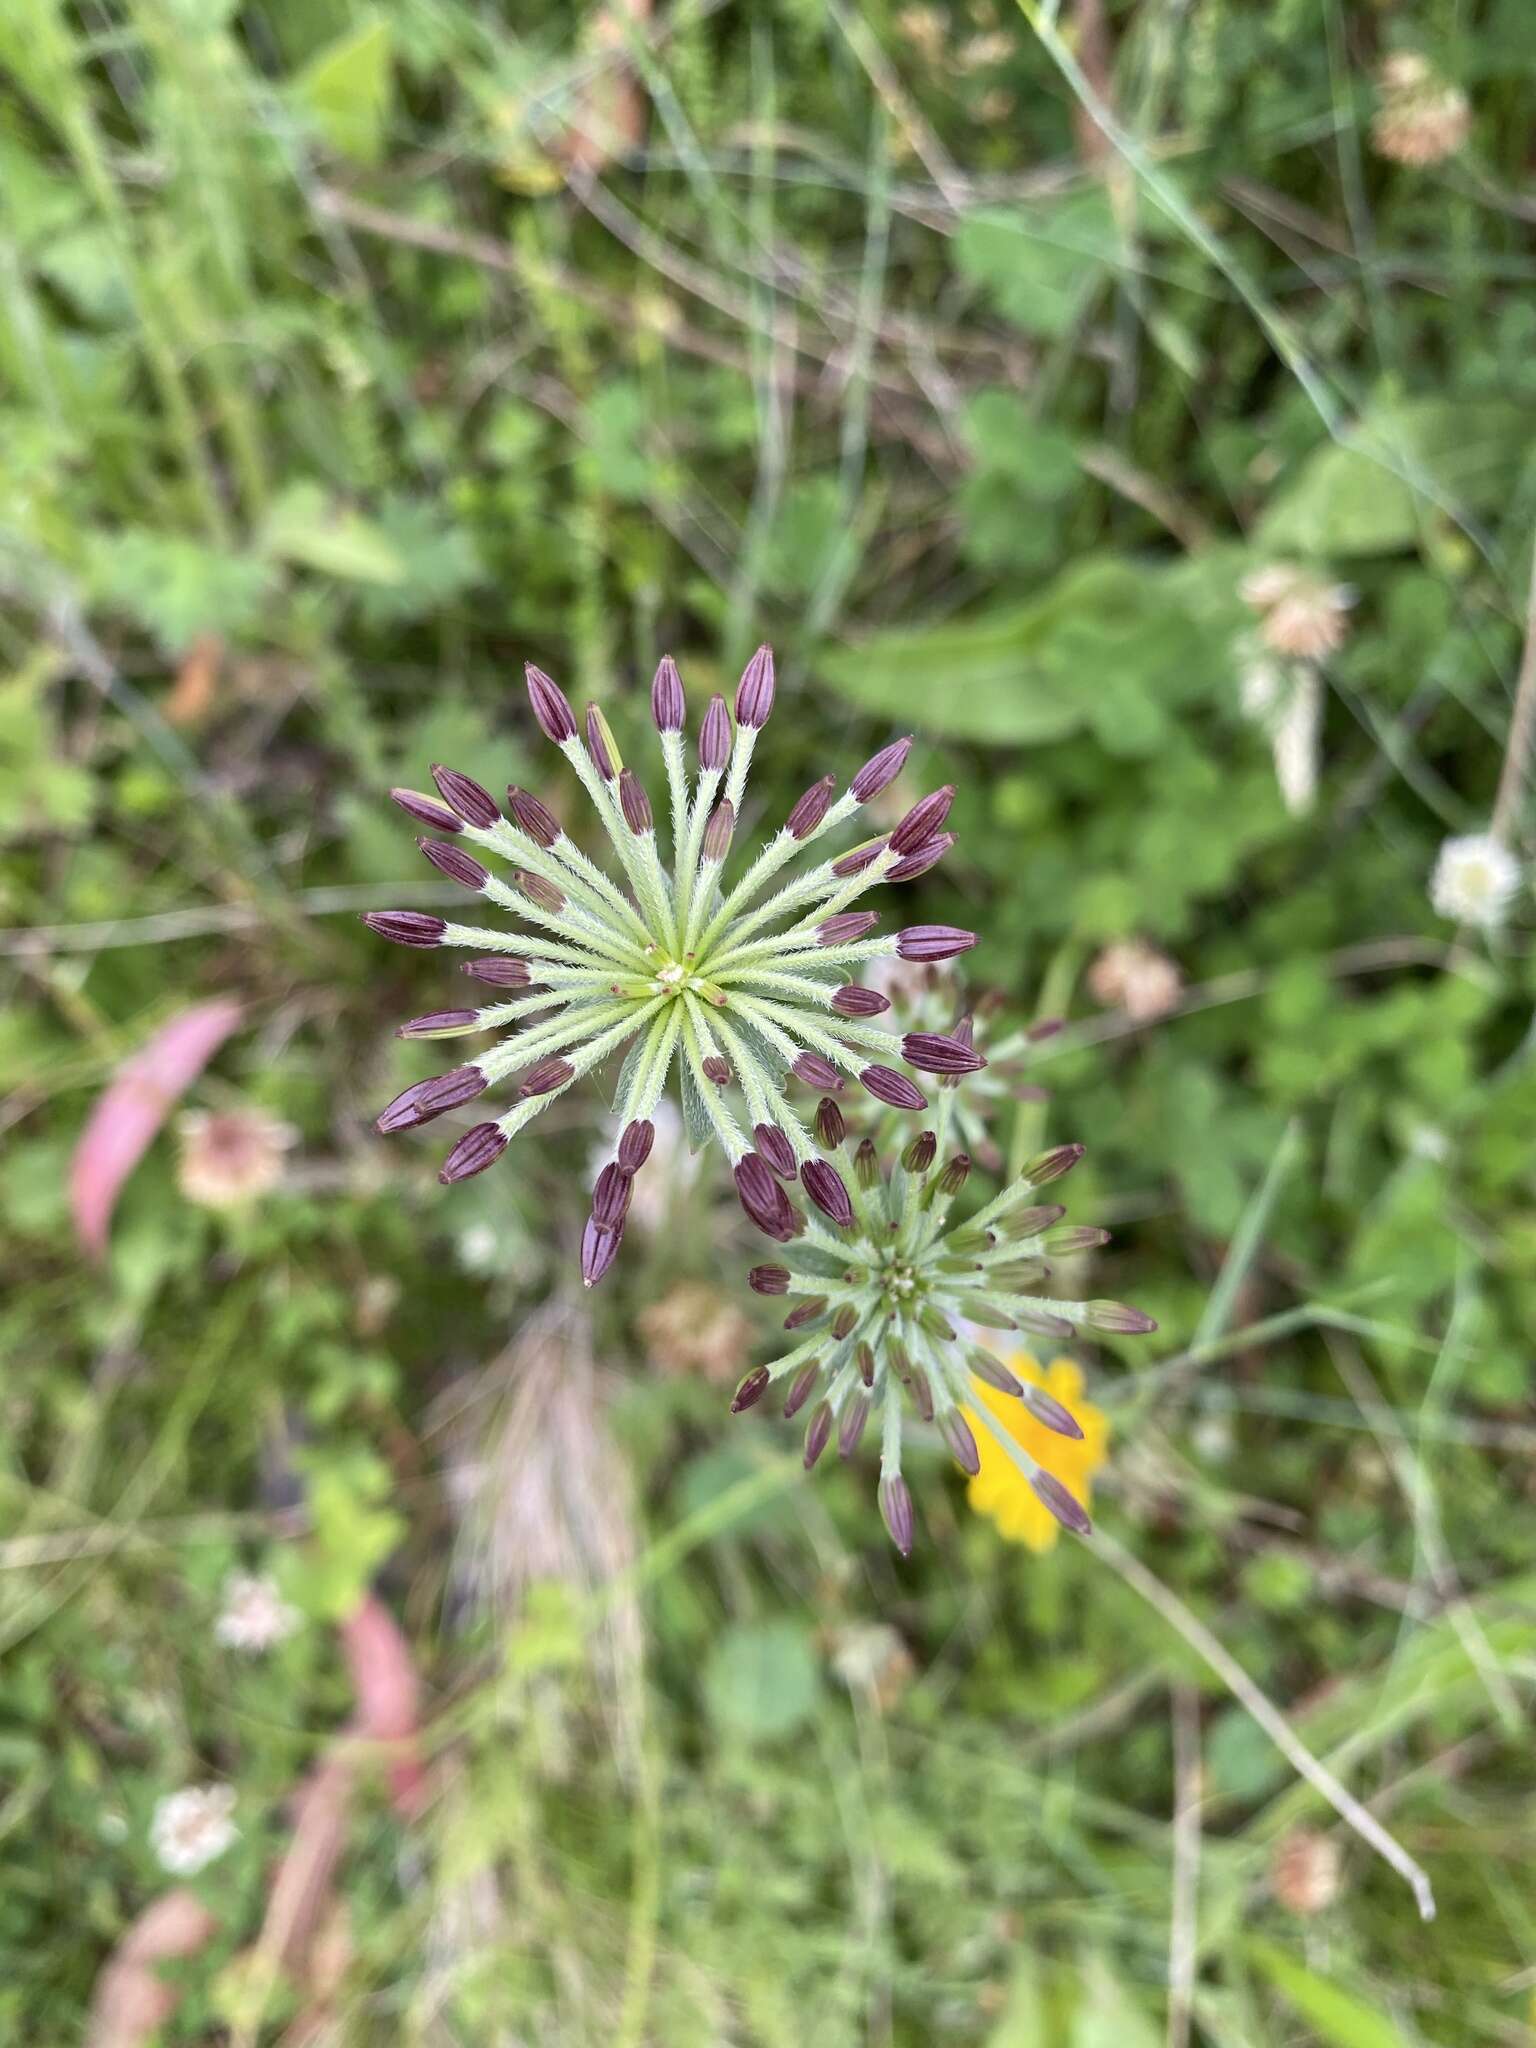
999	1490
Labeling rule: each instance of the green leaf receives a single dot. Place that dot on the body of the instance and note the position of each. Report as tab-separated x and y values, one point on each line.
1340	2017
177	588
308	528
762	1680
1038	263
346	90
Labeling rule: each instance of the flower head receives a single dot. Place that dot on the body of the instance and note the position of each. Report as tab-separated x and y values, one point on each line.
733	987
254	1616
1422	119
230	1157
1305	1870
1474	880
1300	613
1000	1490
1133	976
193	1827
880	1307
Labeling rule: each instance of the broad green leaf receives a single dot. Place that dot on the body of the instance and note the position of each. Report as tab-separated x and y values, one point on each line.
762	1679
177	588
1342	2018
347	88
1038	262
308	528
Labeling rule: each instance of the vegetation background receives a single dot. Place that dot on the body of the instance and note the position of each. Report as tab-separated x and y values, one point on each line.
349	356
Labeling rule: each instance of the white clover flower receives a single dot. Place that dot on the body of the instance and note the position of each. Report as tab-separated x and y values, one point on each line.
230	1157
1300	614
1422	119
254	1616
1132	976
193	1827
1474	880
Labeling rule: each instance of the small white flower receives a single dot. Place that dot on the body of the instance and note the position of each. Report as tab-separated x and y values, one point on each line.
1299	613
1474	879
255	1616
193	1827
479	1248
1422	119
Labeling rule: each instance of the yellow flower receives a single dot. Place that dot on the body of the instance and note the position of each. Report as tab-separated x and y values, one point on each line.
1000	1489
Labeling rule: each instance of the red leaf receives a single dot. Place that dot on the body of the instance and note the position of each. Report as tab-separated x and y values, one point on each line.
138	1099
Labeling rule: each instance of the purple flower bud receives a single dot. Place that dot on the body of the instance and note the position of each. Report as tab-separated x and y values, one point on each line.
1118	1318
455	863
1048	1166
1022	1223
864	1359
776	1149
896	1511
817	1430
769	1279
715	736
807	1312
845	1321
599	1249
933	1052
881	769
501	970
539	822
816	1072
846	927
866	1165
539	891
933	942
811	809
667	706
475	1151
854	1001
425	812
1074	1237
465	798
718	832
610	1198
996	1374
634	803
438	1024
1053	1495
806	1381
918	1153
545	1076
923	820
635	1142
754	693
956	1173
751	1390
888	1086
830	1128
600	745
824	1185
922	858
551	706
762	1198
858	858
406	927
402	1113
715	1069
956	1432
852	1426
424	1100
1050	1412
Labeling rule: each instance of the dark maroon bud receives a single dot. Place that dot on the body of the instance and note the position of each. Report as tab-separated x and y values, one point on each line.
864	1359
1118	1318
811	809
455	863
635	1142
816	1072
824	1185
881	769
1021	1223
776	1149
406	927
817	1430
995	1373
923	820
957	1172
600	744
847	926
1044	1409
751	1390
917	1154
802	1390
852	1426
853	1001
933	942
858	858
830	1128
715	1069
866	1165
599	1249
610	1198
501	970
634	803
717	833
475	1151
667	696
539	891
459	1085
807	1312
845	1321
465	798
1048	1166
404	1113
896	1512
1054	1496
715	736
437	1022
965	1029
754	693
544	1076
551	706
934	1052
762	1197
425	812
922	858
536	819
956	1432
888	1086
769	1279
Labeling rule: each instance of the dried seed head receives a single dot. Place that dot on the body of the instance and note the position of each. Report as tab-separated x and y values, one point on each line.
719	830
854	1001
754	693
465	797
425	812
811	809
881	769
455	863
715	737
476	1150
406	927
667	708
886	1085
933	942
602	748
501	970
551	706
830	1128
536	819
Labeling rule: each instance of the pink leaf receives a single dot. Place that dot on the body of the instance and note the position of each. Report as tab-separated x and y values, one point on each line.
132	2002
388	1695
135	1105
